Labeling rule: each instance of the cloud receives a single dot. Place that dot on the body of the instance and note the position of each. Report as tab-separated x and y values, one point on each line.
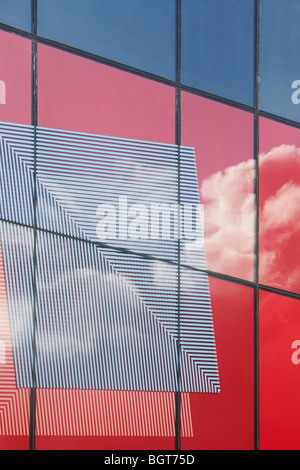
229	221
228	199
280	217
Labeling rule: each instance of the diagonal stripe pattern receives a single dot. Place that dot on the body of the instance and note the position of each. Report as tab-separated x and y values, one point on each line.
14	402
16	173
73	412
106	319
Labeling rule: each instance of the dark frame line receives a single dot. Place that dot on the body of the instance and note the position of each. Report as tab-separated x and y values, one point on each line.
213	274
32	409
178	142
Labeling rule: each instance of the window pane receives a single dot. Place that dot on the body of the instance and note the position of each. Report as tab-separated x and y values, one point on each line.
15	79
279	52
16	132
16	13
135	33
223	418
16	246
82	95
218	48
279	183
199	364
118	161
279	380
106	348
221	139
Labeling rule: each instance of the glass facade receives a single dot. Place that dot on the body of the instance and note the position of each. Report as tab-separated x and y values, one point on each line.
149	240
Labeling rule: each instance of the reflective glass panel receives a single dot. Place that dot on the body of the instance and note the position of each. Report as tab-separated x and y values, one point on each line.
106	153
16	132
279	379
218	48
223	411
106	348
16	13
221	140
279	187
279	52
15	79
135	33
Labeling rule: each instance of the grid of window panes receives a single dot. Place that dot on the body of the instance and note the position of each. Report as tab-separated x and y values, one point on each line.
142	339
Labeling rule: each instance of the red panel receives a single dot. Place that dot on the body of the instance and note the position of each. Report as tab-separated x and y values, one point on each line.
98	419
223	140
83	95
279	192
226	420
279	372
15	79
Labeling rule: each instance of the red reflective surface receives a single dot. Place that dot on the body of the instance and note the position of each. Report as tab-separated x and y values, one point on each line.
82	95
15	79
95	419
279	372
223	140
226	420
279	205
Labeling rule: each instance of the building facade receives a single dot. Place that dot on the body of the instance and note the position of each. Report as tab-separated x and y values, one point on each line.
149	212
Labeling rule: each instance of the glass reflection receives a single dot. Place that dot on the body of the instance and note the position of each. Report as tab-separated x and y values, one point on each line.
279	68
222	137
135	33
15	78
279	380
16	173
106	346
279	166
118	151
98	324
218	48
224	420
16	13
82	95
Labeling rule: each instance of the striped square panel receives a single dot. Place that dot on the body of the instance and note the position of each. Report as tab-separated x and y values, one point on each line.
106	319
